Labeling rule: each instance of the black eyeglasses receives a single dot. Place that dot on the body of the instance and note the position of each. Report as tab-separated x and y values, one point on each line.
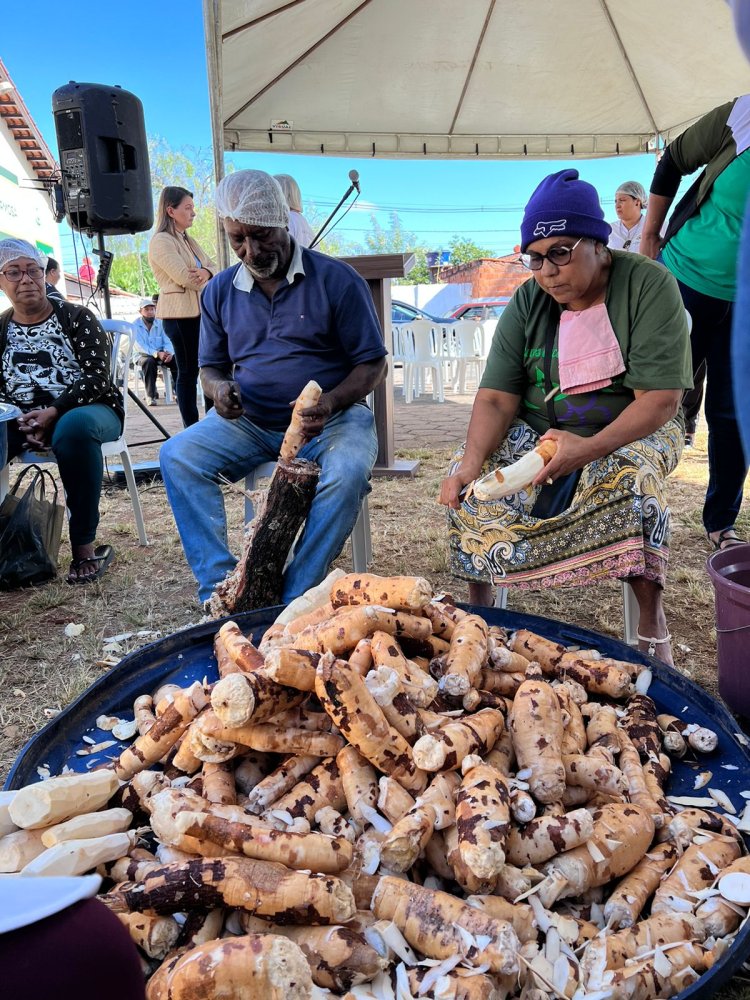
558	255
15	274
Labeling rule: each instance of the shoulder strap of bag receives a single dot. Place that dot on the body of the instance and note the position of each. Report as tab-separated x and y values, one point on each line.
549	345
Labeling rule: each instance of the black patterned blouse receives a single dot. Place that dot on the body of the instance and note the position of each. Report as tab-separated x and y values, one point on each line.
63	361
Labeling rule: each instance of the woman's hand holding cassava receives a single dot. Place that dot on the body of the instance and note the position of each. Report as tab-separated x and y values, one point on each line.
573	452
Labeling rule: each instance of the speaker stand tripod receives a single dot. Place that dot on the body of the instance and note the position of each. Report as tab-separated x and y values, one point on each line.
102	285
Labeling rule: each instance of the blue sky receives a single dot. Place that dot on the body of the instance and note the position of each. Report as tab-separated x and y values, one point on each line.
156	50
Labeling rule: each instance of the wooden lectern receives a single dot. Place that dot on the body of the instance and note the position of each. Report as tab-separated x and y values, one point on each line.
377	270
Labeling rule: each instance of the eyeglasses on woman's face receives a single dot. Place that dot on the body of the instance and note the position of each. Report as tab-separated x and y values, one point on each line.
558	255
16	274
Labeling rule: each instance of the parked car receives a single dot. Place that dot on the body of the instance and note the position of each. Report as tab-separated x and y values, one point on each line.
402	312
481	309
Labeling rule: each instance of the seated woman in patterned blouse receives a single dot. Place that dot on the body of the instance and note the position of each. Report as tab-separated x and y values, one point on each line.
593	353
55	367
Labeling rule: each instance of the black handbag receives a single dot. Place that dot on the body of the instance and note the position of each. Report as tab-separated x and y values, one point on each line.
30	530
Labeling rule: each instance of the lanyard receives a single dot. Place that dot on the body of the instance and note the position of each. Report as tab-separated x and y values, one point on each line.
553	325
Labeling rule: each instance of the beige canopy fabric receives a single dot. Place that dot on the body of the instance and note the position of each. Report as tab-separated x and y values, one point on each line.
463	78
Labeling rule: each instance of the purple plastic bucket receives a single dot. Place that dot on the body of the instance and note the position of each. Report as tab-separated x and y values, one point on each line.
729	570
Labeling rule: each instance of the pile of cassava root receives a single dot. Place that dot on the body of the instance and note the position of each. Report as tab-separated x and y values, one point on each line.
388	798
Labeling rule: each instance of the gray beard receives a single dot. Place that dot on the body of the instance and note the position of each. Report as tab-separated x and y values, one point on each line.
261	273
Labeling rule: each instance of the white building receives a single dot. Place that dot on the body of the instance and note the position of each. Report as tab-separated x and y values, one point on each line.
25	161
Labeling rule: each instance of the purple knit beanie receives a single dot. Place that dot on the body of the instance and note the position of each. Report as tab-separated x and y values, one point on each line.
563	205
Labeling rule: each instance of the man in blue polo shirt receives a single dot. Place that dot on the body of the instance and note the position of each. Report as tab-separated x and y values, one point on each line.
282	316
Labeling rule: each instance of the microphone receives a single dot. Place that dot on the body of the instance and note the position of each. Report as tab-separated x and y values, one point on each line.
324	229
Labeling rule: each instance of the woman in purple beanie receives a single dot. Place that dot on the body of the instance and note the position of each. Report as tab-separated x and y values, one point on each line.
592	354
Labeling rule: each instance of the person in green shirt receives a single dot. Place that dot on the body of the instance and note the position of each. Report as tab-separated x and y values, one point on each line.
700	249
592	354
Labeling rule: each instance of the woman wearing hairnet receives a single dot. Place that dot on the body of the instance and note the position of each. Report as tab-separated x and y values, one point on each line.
55	367
630	201
299	227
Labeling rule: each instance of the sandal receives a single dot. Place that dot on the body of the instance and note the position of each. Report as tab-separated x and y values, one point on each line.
102	557
653	642
726	539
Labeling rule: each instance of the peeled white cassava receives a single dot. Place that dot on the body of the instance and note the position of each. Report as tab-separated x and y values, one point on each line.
59	799
503	482
75	857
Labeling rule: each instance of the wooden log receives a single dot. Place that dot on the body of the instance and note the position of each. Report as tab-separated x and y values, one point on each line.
256	582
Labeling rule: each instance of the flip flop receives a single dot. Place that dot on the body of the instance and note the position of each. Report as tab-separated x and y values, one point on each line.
726	539
103	556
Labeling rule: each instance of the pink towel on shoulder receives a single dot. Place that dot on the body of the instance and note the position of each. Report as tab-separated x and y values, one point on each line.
589	355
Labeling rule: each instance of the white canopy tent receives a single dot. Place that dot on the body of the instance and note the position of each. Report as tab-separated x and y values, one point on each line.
487	78
458	79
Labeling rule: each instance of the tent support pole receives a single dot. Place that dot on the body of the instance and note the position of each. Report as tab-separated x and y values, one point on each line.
212	28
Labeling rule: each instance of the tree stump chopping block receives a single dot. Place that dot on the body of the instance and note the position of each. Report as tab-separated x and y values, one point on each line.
257	579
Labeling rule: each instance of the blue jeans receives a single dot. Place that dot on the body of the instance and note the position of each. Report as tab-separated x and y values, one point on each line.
710	341
76	443
192	461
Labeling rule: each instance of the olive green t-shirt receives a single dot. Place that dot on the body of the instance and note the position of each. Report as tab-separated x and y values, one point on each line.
648	318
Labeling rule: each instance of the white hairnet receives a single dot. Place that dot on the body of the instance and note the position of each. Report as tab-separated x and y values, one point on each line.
252	197
11	249
635	190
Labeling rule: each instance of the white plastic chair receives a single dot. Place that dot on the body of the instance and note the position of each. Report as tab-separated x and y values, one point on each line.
467	345
397	354
122	347
423	353
140	381
360	537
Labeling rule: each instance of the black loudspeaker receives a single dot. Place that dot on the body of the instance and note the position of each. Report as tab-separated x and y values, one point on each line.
106	178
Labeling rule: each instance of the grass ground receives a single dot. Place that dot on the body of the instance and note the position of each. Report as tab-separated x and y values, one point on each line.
150	591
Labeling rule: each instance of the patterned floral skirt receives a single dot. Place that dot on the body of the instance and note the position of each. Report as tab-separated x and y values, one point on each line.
616	526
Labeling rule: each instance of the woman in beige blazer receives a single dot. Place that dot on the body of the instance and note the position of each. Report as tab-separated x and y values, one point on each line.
181	269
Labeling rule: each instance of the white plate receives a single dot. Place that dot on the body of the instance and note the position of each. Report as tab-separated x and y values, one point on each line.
26	899
8	411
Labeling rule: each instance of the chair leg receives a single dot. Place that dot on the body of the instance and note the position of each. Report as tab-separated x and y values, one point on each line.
462	366
438	383
4	482
501	597
127	468
408	374
631	614
361	540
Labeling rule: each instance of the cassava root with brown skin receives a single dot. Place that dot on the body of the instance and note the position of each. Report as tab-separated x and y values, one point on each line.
253	965
322	834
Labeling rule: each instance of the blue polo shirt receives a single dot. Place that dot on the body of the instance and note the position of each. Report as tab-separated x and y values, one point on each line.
319	325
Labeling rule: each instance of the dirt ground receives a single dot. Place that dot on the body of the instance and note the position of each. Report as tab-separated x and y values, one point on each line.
149	592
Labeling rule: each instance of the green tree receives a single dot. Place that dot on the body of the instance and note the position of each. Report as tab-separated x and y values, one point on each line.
394	239
132	272
333	244
420	274
190	168
463	251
